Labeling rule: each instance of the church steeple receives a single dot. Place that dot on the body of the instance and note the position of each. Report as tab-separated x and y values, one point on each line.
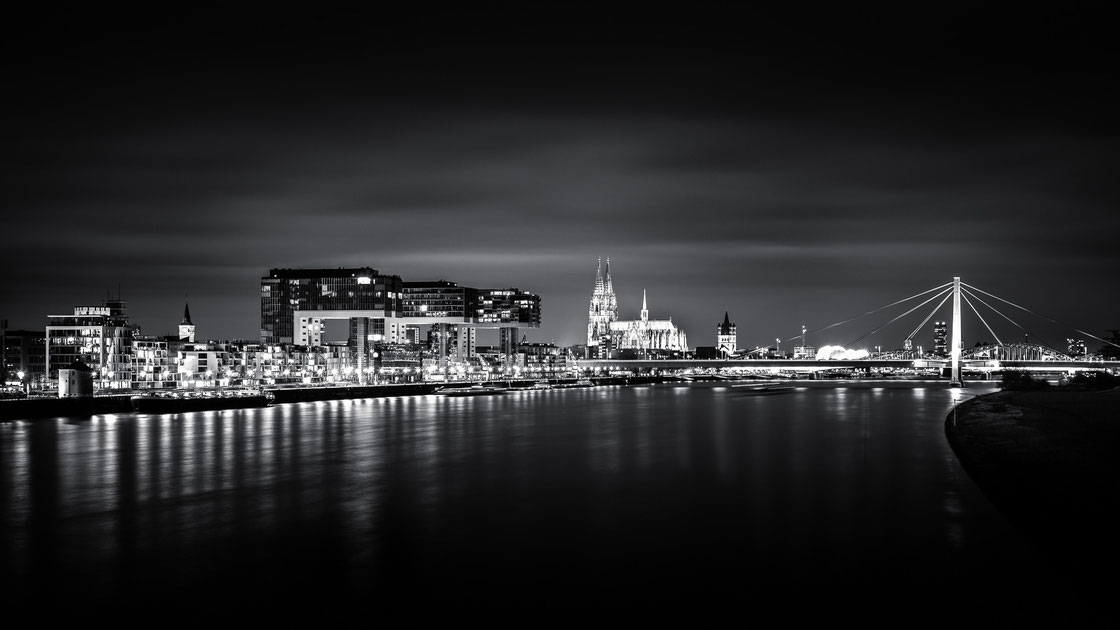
186	327
726	339
603	308
645	311
599	275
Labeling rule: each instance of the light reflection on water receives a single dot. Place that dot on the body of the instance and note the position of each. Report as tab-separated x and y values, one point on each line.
529	491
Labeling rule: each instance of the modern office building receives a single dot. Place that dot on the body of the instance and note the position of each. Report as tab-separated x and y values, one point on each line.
383	309
940	334
295	303
98	336
1076	347
23	352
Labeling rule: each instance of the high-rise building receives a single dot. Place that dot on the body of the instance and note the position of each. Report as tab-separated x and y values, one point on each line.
940	343
726	339
296	303
1075	347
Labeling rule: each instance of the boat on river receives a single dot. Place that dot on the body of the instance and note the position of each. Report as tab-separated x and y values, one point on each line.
583	382
474	390
762	390
176	402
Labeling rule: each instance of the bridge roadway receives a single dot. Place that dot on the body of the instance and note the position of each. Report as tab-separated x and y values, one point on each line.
813	365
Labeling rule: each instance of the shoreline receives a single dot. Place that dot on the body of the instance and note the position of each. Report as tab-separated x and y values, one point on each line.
1047	461
27	409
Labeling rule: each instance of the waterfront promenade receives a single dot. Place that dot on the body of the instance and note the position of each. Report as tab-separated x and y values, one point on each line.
1047	460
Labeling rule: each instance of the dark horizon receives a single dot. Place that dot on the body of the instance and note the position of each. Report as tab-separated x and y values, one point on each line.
786	170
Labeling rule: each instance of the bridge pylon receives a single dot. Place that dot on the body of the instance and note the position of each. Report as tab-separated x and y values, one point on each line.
955	352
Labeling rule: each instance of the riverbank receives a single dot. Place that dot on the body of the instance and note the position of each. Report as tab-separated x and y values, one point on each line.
36	408
1048	462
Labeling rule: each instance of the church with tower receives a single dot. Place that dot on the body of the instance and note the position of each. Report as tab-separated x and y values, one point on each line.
186	327
726	339
605	332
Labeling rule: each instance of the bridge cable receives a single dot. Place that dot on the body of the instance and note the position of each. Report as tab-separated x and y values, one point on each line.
866	314
982	320
1045	343
895	319
1050	319
948	294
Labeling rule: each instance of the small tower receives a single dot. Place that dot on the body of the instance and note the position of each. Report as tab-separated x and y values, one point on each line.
186	328
645	311
726	338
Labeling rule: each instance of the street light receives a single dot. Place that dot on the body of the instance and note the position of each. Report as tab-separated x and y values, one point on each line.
22	387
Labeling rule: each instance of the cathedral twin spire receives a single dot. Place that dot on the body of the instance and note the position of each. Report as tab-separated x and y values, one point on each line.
603	308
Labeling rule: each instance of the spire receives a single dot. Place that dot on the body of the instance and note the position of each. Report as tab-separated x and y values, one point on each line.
599	275
645	311
186	327
610	286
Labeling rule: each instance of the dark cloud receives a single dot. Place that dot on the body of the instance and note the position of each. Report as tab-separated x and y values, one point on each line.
788	172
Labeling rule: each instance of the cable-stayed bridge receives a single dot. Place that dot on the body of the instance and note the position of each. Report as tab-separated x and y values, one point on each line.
988	358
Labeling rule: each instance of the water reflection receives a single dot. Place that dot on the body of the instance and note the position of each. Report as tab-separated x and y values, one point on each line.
520	493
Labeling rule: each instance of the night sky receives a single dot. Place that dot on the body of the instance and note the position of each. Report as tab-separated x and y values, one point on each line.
788	169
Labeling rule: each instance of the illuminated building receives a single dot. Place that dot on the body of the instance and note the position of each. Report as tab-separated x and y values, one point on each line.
605	332
1075	347
152	364
726	338
296	302
940	345
186	328
383	309
602	311
98	336
647	334
541	360
23	351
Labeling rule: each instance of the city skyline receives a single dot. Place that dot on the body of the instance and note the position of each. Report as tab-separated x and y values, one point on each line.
790	173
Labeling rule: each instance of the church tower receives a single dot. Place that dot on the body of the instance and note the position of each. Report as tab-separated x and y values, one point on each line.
725	336
603	309
186	328
645	311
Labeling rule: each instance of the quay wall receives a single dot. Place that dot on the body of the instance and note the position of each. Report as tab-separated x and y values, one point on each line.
32	408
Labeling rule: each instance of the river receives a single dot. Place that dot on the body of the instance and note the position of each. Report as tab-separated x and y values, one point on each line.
628	501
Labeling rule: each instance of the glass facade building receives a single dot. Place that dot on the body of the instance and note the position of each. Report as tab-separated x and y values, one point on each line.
98	336
286	291
382	309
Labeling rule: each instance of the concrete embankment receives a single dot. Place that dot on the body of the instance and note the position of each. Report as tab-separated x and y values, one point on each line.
32	408
309	394
1048	461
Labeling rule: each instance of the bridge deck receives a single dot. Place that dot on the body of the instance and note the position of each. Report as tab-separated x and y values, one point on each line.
815	365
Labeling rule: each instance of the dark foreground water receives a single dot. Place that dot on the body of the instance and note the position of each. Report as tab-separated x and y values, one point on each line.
629	503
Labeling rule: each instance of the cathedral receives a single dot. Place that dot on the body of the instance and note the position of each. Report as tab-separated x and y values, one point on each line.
606	332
